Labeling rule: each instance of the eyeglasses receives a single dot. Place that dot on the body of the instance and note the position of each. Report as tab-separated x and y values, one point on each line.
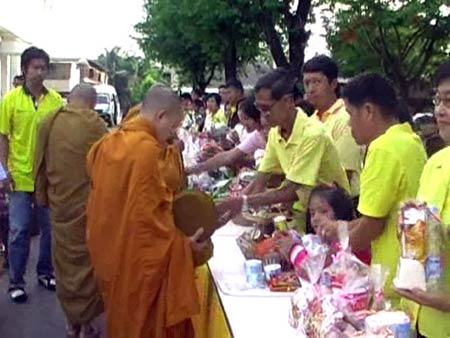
263	107
437	101
266	108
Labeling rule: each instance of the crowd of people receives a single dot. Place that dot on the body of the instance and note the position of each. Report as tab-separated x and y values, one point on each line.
103	198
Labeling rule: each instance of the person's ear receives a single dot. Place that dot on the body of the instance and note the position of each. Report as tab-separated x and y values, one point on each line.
161	114
369	111
334	84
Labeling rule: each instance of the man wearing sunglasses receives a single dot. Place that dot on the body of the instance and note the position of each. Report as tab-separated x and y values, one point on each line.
297	147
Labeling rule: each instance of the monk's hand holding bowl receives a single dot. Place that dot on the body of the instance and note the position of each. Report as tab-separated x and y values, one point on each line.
196	244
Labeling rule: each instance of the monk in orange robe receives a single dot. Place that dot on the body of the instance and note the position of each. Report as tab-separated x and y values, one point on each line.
143	263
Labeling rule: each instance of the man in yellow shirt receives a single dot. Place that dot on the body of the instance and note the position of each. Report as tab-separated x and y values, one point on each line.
320	79
235	91
393	165
297	147
21	111
434	314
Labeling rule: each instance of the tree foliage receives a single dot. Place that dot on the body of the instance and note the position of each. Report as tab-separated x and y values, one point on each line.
131	75
404	39
200	37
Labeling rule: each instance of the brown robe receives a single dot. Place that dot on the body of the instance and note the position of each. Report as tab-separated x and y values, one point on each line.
143	262
62	184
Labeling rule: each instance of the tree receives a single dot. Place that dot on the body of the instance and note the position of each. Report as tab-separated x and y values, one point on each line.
403	39
200	37
132	76
284	24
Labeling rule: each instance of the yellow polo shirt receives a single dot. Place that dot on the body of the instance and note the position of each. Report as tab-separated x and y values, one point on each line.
391	174
307	158
435	190
337	122
215	121
20	116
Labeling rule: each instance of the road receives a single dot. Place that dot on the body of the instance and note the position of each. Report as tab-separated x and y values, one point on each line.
40	317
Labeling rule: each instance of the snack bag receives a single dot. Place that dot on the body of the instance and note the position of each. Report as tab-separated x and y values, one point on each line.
412	232
412	229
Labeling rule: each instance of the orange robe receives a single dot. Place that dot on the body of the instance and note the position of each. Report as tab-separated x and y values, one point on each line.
138	255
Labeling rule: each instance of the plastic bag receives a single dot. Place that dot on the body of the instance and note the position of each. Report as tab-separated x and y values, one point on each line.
378	277
412	231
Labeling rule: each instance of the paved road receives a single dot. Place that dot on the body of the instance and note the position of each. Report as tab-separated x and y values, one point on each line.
40	317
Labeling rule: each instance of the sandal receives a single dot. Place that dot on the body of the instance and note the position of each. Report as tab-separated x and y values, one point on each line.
47	282
17	294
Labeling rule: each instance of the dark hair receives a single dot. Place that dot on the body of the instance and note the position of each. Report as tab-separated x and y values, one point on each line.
199	104
247	106
222	86
280	82
19	77
338	199
442	73
198	91
403	113
33	53
235	84
375	89
186	96
216	97
323	64
307	107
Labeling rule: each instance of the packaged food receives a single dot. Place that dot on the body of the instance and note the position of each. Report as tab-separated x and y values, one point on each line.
396	323
284	282
412	228
420	264
434	261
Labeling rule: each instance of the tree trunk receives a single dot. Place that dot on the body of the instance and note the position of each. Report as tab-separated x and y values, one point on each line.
230	62
297	44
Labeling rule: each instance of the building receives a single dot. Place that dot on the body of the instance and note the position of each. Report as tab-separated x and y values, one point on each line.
66	73
11	47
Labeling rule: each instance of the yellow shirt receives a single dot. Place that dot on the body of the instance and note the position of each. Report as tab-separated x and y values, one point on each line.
337	123
391	174
307	158
215	121
20	116
435	190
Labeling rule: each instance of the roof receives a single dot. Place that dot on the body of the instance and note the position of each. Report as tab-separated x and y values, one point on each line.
98	66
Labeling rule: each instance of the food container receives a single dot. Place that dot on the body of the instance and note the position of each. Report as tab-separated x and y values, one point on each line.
272	271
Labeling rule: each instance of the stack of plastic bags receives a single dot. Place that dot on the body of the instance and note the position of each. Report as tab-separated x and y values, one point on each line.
338	298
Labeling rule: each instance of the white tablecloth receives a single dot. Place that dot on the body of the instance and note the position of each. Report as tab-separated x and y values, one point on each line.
251	313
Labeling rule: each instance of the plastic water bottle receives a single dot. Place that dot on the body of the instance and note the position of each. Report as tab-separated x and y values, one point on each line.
434	264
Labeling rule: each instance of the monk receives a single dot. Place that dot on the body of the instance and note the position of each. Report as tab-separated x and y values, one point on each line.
139	256
62	184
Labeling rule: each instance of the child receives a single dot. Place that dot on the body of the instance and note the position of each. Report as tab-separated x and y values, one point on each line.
331	203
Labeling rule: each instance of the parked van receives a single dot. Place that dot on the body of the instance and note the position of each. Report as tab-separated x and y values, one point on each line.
108	106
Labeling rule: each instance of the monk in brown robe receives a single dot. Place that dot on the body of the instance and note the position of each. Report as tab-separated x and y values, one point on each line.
143	263
62	183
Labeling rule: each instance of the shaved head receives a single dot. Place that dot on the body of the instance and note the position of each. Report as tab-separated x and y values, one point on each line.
83	95
158	98
83	91
162	107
